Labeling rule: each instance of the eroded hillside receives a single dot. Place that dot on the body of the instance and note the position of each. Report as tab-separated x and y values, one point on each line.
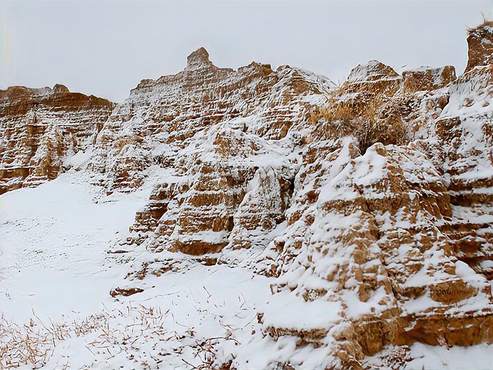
367	206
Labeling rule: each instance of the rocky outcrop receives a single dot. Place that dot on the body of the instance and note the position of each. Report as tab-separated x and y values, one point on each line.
368	238
368	204
480	41
370	198
393	223
38	127
220	133
427	79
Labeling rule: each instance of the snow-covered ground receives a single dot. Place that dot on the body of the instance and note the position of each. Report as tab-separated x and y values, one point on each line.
56	311
53	243
54	267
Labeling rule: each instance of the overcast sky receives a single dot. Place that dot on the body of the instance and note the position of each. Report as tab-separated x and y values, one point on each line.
105	47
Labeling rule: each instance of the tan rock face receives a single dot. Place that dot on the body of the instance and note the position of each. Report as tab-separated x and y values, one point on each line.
427	79
392	231
199	59
480	42
221	134
372	198
38	127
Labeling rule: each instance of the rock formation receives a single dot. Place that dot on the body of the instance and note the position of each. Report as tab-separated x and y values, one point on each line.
480	41
218	132
39	127
371	201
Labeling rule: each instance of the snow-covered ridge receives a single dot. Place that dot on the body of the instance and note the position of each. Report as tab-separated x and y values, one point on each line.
255	219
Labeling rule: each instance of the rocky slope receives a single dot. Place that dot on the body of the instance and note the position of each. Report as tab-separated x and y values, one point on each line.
368	204
218	132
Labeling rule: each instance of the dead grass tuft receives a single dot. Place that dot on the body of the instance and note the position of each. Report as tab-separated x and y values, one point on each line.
362	120
486	22
34	342
134	335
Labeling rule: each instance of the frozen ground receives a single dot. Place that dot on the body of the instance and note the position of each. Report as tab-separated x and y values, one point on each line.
53	248
54	268
56	311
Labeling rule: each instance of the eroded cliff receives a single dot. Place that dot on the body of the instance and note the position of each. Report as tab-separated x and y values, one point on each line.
368	204
39	127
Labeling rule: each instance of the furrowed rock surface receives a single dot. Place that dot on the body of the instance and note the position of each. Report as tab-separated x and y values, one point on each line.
480	41
39	127
388	224
369	205
222	136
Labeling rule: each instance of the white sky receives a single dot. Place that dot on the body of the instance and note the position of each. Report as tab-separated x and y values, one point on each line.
105	47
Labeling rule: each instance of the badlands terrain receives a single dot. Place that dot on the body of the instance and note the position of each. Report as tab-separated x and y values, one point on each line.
252	219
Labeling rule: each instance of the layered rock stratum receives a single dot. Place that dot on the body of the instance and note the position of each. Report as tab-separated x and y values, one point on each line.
38	127
368	204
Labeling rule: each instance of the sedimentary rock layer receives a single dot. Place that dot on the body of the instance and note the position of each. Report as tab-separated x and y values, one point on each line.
40	127
369	203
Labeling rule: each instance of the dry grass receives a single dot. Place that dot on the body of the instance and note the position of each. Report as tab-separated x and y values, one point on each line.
348	110
363	120
486	22
135	334
334	112
34	342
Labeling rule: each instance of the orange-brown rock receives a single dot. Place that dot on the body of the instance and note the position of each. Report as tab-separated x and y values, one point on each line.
370	197
217	131
426	79
39	127
400	234
480	42
371	201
